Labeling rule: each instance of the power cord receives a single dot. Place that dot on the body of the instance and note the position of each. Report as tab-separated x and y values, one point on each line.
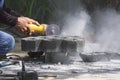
23	74
20	58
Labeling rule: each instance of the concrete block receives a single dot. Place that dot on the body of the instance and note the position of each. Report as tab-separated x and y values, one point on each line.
72	44
50	45
63	58
99	56
53	44
30	44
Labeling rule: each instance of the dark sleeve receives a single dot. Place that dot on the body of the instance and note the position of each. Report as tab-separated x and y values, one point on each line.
11	11
7	19
8	16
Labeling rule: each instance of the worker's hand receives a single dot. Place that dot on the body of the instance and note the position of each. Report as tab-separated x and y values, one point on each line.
22	25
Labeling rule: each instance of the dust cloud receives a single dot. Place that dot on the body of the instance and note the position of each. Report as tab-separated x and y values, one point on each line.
101	30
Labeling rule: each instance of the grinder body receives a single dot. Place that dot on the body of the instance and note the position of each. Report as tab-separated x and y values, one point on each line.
45	29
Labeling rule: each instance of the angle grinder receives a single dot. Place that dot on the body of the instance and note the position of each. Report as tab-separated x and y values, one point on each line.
45	29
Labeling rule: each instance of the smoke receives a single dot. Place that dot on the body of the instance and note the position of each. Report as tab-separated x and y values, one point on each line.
101	29
75	23
107	30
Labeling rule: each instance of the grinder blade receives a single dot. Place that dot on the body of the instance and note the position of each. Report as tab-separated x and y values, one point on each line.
52	29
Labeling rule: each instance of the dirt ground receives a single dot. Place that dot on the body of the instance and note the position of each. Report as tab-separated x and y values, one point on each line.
109	70
78	71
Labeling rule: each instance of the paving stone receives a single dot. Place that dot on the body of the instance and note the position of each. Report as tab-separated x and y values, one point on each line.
62	58
53	44
99	56
72	44
30	44
50	45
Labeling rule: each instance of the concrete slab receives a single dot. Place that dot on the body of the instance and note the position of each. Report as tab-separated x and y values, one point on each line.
30	43
53	44
99	56
72	44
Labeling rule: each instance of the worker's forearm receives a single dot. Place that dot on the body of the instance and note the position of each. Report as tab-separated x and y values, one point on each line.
11	12
7	19
8	16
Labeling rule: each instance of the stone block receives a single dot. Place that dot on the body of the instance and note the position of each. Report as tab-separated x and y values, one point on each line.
72	44
99	56
53	44
63	58
30	44
50	45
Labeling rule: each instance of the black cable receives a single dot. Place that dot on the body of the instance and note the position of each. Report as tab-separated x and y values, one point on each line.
24	75
1	71
23	66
